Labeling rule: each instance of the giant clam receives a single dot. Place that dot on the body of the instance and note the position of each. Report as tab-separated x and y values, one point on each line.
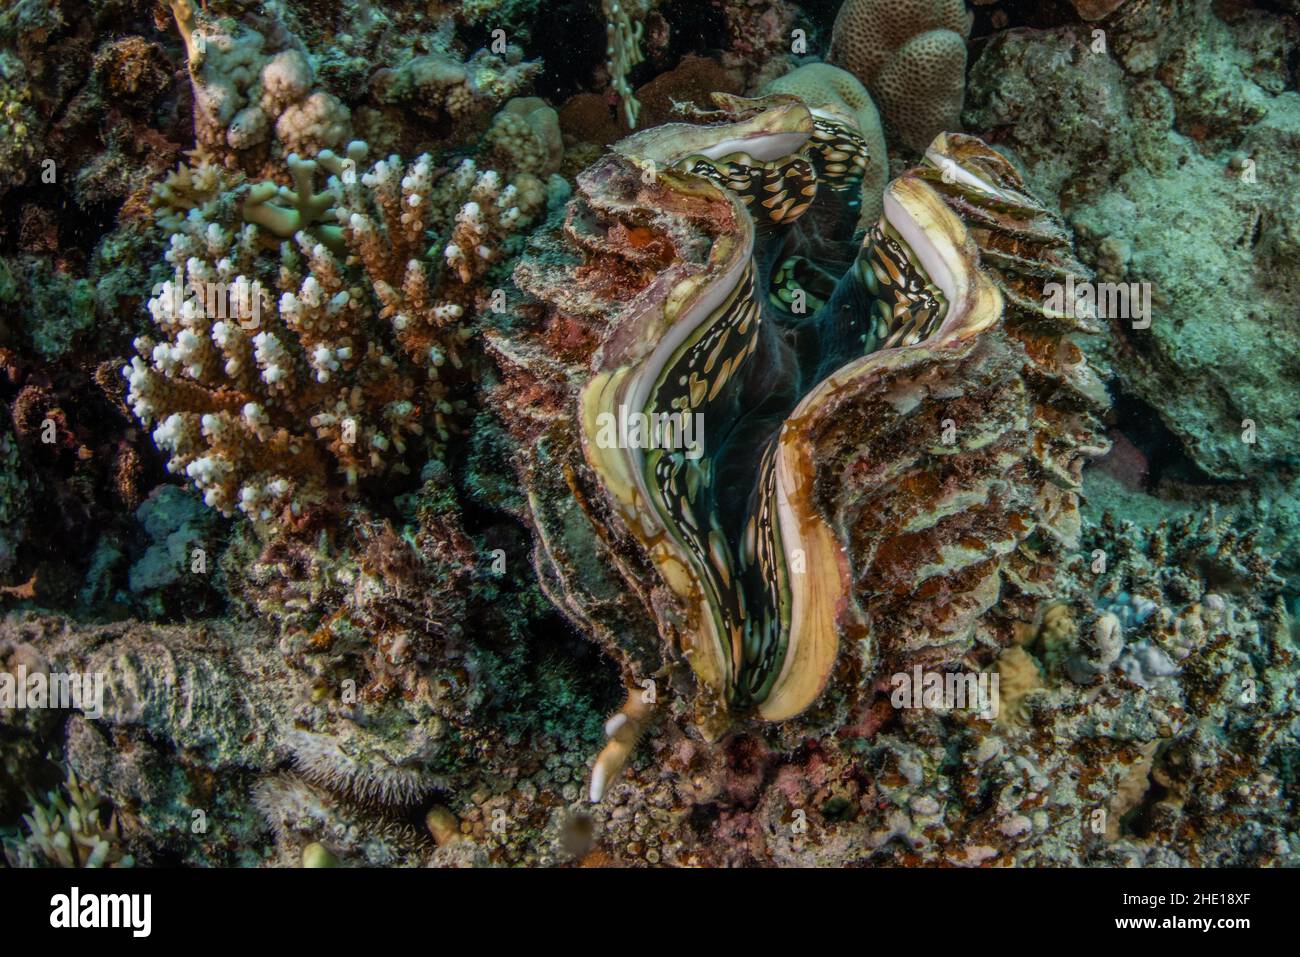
768	460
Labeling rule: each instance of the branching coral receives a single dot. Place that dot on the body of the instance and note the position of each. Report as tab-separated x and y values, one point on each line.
302	207
186	187
912	57
68	830
624	28
484	210
266	402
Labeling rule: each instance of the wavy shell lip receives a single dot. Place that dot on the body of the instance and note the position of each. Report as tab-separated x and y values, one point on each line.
818	597
942	243
653	331
1022	245
666	315
825	534
969	164
650	331
944	247
769	128
673	297
940	157
653	328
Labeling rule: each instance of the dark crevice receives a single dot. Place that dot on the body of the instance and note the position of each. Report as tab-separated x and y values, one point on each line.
1163	450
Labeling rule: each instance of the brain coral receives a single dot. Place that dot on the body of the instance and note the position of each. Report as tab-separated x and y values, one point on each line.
911	55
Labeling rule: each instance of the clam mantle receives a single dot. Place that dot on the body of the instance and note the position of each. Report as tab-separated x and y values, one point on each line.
891	425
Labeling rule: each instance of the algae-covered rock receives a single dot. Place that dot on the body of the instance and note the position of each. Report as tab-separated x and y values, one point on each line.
174	576
13	500
1168	141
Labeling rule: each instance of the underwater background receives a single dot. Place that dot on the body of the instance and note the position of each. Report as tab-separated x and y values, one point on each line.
309	312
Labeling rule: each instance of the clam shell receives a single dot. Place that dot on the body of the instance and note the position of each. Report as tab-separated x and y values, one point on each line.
907	507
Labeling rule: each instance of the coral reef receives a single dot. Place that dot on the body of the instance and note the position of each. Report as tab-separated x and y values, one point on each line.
171	575
251	85
267	84
648	433
525	134
13	493
624	27
442	86
19	124
1188	771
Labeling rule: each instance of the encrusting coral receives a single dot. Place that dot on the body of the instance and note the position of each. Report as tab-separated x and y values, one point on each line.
443	86
300	813
525	133
19	123
251	85
261	92
1174	132
911	55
